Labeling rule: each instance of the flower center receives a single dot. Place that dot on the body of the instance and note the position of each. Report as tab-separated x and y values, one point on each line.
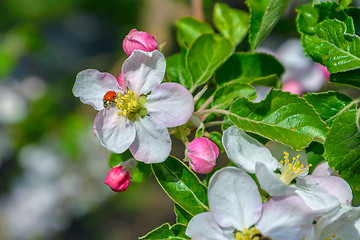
332	237
130	105
291	170
250	234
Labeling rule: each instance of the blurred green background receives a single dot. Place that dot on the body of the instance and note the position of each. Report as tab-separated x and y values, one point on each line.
51	166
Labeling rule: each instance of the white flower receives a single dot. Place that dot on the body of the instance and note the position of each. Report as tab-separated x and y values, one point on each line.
237	212
136	117
320	193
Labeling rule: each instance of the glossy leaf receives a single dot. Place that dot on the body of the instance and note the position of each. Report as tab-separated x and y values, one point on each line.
342	148
344	3
227	93
231	23
309	16
351	78
165	231
182	185
330	46
281	117
176	70
329	104
256	68
264	16
205	55
182	216
188	29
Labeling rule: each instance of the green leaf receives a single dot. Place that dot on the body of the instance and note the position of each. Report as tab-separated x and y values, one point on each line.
332	47
231	23
281	117
329	104
199	131
141	172
205	55
188	29
182	216
256	68
344	3
226	94
115	159
216	137
354	13
351	78
165	231
342	148
182	185
176	70
309	16
264	16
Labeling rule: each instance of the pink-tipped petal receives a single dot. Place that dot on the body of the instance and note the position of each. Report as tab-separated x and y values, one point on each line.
202	154
285	218
152	143
121	81
170	104
323	169
115	133
144	70
234	199
118	179
91	86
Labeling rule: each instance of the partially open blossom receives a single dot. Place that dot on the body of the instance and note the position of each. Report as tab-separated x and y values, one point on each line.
136	117
202	154
237	212
118	179
137	40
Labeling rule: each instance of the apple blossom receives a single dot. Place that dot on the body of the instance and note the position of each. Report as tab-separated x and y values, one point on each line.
139	115
118	179
202	154
237	212
320	193
137	40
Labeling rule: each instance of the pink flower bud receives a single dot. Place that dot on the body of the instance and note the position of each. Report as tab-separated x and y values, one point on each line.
137	40
121	81
293	87
202	154
118	179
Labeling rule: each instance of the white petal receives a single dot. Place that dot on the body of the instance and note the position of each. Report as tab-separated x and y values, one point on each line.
336	186
115	133
343	225
270	182
285	218
152	143
170	104
246	151
204	227
323	169
144	70
316	198
234	199
91	86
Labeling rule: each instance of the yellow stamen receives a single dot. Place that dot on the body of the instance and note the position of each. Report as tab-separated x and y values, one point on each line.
131	105
291	170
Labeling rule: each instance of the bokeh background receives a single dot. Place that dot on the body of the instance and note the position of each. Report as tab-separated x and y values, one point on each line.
51	166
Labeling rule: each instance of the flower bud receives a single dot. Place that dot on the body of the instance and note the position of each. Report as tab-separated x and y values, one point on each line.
293	87
202	154
118	179
137	40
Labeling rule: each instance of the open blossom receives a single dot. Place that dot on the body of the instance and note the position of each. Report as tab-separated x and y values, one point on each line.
137	40
320	193
138	116
237	212
202	154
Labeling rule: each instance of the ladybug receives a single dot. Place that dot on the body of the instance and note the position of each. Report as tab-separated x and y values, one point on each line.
108	98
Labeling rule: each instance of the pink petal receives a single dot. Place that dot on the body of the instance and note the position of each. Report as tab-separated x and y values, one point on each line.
144	70
285	218
91	86
170	104
152	143
115	133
